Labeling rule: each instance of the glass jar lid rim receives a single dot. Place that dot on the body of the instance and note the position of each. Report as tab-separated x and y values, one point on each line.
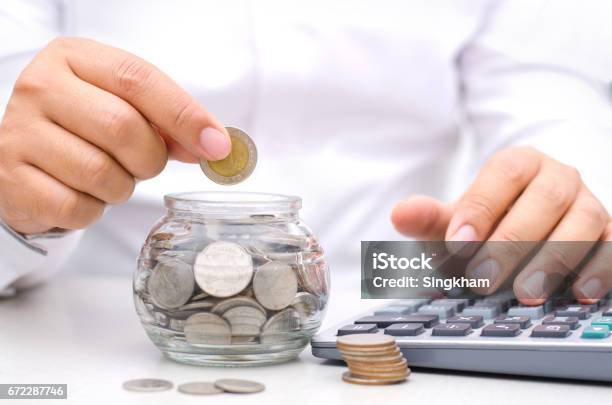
205	201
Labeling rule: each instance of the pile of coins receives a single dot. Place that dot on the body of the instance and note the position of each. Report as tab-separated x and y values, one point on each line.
372	359
228	385
224	294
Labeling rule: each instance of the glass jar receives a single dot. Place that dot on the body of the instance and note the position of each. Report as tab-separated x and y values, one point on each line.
231	278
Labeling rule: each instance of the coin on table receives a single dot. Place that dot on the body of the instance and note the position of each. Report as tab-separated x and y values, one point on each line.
199	388
239	301
275	285
171	284
223	269
238	165
245	321
278	327
239	386
206	328
147	385
348	377
306	304
369	340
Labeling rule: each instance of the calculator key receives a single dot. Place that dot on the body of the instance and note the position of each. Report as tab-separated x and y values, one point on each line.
405	329
603	321
443	311
501	330
457	304
502	303
362	328
607	311
451	329
596	332
591	307
535	312
394	310
523	321
475	321
382	321
570	321
488	312
579	311
551	331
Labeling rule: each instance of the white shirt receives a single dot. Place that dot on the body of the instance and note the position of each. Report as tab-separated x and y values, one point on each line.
353	104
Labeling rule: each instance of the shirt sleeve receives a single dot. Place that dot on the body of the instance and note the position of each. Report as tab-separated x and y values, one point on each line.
537	73
26	26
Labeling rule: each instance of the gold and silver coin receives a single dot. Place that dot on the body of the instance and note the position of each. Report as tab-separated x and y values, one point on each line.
238	165
147	385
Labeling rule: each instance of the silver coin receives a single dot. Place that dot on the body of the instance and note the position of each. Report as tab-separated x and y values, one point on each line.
275	285
147	385
177	325
205	328
223	269
239	386
306	304
171	284
279	327
239	301
281	238
205	304
199	296
199	388
245	321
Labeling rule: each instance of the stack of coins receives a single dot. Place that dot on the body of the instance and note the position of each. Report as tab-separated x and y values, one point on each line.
372	359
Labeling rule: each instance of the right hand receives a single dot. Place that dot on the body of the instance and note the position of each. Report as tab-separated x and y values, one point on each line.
84	122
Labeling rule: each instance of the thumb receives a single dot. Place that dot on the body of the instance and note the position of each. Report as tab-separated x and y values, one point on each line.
422	217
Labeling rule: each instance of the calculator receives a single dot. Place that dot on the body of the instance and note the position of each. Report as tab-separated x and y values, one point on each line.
492	335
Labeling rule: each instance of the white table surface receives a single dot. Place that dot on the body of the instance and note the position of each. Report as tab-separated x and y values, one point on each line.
83	331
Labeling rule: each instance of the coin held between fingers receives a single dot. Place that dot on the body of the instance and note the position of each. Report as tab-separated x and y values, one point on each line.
238	165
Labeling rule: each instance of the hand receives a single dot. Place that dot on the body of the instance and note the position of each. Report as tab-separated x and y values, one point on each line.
521	195
84	122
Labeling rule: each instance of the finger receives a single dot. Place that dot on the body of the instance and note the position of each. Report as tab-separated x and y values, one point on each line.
151	92
76	163
176	151
595	280
421	217
41	199
498	184
540	207
108	122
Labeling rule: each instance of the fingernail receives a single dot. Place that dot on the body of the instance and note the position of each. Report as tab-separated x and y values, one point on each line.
215	143
591	288
488	269
533	285
466	233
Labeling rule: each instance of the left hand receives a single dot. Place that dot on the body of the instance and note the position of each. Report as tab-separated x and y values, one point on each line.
521	195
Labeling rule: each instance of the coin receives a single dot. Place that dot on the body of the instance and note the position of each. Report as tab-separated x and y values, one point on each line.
205	328
386	359
277	328
199	296
147	385
245	321
238	165
203	304
371	353
239	386
275	285
241	300
171	284
199	388
365	339
348	377
223	269
306	304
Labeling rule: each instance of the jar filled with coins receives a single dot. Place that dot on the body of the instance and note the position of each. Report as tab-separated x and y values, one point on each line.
231	278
